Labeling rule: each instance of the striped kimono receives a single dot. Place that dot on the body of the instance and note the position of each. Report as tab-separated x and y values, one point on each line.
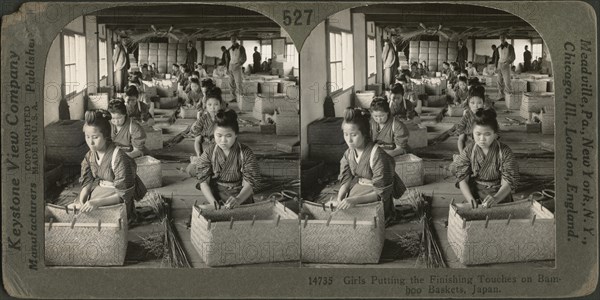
466	124
139	111
225	174
204	126
485	172
403	109
130	136
106	181
394	133
364	178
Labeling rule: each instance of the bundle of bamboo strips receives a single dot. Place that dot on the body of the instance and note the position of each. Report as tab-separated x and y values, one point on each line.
430	255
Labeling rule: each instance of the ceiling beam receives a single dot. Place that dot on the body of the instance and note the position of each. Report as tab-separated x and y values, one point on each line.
424	9
175	21
198	10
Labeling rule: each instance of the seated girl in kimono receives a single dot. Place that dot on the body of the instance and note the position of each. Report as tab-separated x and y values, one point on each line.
366	171
461	92
486	170
108	175
136	109
228	171
400	106
386	130
203	127
127	134
194	95
464	128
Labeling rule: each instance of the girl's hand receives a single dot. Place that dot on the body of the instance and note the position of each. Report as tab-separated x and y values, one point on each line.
488	201
346	203
88	206
231	202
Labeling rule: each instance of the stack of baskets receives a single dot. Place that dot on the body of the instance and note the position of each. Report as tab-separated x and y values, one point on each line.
262	232
326	140
95	238
534	102
349	236
65	142
491	235
547	118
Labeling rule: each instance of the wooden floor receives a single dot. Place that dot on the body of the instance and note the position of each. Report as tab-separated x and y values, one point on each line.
279	168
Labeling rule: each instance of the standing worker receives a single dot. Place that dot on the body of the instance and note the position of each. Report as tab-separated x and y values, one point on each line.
256	58
192	56
120	65
506	56
526	60
462	56
237	54
389	63
225	58
494	56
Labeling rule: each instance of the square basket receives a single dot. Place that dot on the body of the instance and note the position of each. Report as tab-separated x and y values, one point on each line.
350	236
96	238
512	232
263	232
410	169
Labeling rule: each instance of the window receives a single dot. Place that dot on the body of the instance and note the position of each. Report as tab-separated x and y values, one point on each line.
536	51
102	62
291	54
341	61
519	46
265	51
74	58
372	63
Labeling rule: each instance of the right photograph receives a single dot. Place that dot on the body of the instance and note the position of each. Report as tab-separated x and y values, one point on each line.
427	140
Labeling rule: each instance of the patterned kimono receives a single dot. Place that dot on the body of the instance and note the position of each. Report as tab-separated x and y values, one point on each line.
194	99
485	172
381	178
461	97
204	126
390	139
106	182
130	136
466	124
403	109
139	112
225	174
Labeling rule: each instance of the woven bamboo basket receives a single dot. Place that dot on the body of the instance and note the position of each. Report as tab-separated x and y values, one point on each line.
188	113
547	118
165	87
418	87
97	101
250	87
168	102
64	133
326	131
513	101
269	87
534	102
364	98
154	139
411	170
284	85
149	170
435	86
287	123
96	238
417	136
70	155
513	232
246	102
327	153
262	232
518	85
537	85
350	236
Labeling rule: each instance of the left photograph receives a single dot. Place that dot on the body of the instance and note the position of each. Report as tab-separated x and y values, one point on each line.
171	138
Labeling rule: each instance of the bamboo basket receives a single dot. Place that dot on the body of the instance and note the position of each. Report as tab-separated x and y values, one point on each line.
518	85
417	136
149	170
513	101
96	238
418	87
154	139
537	85
287	123
513	232
246	102
269	87
435	86
64	133
165	87
67	155
534	102
250	87
547	118
350	236
410	169
455	111
364	98
262	232
98	101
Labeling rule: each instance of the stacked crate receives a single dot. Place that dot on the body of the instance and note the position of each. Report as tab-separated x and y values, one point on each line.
133	64
181	53
153	54
432	63
423	51
442	55
404	65
413	54
171	55
162	57
143	53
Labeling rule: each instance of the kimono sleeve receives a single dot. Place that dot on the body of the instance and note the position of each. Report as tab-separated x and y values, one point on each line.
204	166
461	126
197	127
383	175
87	177
410	110
138	136
462	164
125	173
509	168
250	171
145	113
345	172
401	134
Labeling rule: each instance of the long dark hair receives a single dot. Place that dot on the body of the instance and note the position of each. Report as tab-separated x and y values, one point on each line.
227	119
487	117
100	119
360	118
